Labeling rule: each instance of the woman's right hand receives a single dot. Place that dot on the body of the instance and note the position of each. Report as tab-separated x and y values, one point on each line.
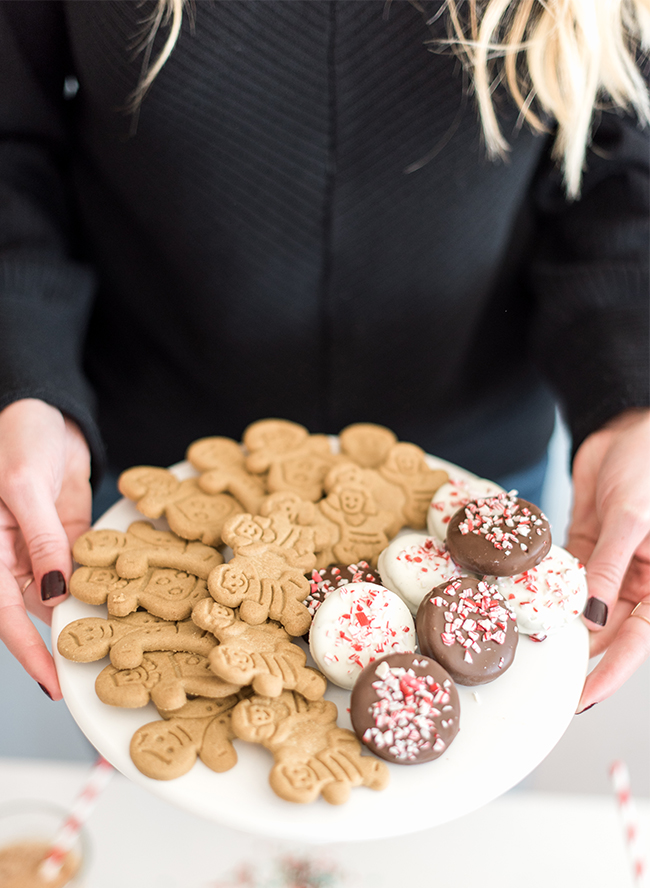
45	504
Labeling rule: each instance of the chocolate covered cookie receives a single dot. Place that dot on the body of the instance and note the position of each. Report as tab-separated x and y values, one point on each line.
356	624
324	581
405	708
498	536
467	626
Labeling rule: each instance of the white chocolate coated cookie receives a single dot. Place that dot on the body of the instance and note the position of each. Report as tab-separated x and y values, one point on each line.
356	624
413	564
451	496
549	595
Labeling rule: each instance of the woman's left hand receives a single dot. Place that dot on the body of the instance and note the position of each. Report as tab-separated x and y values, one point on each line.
610	534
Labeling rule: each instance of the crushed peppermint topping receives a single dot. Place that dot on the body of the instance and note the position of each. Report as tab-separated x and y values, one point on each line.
473	616
405	712
367	628
502	521
321	587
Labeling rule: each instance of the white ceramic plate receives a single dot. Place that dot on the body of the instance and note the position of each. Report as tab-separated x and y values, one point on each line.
506	729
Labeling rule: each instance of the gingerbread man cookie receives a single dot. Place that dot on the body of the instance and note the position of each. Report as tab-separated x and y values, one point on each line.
191	512
142	547
387	497
292	459
201	729
305	514
361	529
253	535
267	586
366	443
262	656
127	638
222	464
165	592
406	467
312	755
164	677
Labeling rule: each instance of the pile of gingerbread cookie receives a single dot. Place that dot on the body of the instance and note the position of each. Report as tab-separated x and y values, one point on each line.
281	539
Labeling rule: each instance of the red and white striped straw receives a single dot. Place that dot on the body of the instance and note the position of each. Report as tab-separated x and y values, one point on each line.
627	809
98	779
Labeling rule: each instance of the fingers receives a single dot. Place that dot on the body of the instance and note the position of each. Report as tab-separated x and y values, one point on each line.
44	501
22	639
629	648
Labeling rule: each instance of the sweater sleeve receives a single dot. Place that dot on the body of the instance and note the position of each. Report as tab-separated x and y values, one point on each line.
590	278
45	291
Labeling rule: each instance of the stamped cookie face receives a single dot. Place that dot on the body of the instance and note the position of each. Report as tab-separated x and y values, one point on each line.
467	627
413	564
548	596
405	708
499	536
356	624
451	496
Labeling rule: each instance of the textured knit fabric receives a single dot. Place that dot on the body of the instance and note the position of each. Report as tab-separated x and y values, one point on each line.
301	222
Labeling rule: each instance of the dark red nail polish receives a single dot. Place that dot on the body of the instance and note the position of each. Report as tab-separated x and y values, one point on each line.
45	690
591	706
52	585
596	611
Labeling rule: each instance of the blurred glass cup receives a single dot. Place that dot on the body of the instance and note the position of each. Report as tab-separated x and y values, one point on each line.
27	832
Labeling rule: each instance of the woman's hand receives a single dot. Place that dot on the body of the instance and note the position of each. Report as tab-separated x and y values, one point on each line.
610	534
45	503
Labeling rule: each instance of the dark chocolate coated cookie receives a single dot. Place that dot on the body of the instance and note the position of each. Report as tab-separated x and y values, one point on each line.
467	626
323	581
405	708
498	536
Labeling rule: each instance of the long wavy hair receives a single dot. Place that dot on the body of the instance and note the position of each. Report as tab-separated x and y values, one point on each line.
560	60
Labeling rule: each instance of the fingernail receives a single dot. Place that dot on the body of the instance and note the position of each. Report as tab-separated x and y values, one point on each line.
45	690
596	611
591	705
52	585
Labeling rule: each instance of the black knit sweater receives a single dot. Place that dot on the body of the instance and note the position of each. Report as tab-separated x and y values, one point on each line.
301	222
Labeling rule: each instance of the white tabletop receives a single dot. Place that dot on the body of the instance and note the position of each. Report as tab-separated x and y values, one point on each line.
527	838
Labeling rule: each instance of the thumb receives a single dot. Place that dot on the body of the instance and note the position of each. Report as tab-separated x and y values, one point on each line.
621	533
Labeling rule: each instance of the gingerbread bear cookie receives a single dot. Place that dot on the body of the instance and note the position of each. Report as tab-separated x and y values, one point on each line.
142	547
165	592
191	512
289	457
127	638
222	463
164	677
312	755
262	656
202	729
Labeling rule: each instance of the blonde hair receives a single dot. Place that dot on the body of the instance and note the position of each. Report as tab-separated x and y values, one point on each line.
559	59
